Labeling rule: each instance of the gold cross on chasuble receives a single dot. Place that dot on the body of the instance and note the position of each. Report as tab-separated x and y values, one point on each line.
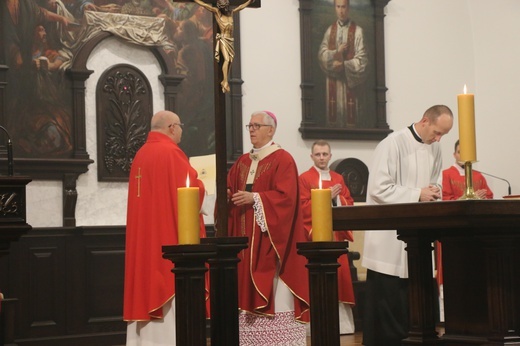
138	177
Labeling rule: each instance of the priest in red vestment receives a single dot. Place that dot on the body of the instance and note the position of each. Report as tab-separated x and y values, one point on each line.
321	155
264	205
158	169
454	180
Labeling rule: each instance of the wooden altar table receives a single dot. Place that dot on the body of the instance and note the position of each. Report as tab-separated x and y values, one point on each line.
481	263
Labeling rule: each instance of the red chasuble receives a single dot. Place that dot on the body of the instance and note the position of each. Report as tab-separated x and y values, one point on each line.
454	184
276	182
158	169
310	180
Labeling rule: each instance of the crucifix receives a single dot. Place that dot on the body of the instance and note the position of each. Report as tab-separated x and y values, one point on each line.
223	11
223	267
224	45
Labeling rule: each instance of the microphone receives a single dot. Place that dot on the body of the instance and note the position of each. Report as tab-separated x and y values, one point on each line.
494	176
9	152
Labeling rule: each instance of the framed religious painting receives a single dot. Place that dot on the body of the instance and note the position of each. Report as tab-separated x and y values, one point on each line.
44	49
343	69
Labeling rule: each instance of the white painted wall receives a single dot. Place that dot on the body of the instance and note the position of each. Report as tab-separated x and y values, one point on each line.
432	47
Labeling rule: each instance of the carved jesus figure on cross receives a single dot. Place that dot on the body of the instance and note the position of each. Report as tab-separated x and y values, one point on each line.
224	39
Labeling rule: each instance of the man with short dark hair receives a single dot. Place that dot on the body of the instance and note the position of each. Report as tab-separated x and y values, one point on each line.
406	168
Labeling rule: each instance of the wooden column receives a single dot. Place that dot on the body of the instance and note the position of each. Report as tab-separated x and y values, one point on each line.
502	295
421	292
190	293
323	283
224	289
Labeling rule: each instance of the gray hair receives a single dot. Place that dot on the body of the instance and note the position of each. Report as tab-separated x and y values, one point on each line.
268	120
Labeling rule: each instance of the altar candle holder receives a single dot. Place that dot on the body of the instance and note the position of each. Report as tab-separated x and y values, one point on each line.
469	193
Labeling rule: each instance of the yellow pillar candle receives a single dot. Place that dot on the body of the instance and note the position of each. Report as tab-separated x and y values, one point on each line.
188	217
468	147
321	214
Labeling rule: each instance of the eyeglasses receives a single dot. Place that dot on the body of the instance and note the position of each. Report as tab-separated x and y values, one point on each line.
255	126
178	124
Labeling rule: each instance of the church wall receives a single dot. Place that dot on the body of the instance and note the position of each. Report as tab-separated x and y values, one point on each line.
496	76
432	49
426	63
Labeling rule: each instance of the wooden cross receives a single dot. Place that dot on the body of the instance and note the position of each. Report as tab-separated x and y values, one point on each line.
220	129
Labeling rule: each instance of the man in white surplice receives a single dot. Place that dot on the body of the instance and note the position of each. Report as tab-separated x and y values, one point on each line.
405	169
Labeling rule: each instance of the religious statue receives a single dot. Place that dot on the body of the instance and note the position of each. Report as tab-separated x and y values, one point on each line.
224	39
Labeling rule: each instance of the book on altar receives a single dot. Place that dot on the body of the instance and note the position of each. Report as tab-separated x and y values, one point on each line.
206	168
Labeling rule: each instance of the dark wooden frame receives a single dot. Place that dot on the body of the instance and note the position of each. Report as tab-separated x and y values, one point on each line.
310	127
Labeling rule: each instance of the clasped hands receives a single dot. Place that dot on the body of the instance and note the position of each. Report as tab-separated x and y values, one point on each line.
335	190
481	194
430	194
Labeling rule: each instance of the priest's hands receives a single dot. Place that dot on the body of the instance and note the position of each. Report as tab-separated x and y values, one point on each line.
242	198
430	194
481	193
335	190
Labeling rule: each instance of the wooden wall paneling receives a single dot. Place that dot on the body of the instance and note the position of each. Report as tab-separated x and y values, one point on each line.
37	277
100	279
68	283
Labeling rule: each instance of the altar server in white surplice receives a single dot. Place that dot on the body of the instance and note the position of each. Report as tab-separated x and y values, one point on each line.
405	169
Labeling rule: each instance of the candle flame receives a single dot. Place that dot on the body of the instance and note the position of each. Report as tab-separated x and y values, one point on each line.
188	180
465	89
319	184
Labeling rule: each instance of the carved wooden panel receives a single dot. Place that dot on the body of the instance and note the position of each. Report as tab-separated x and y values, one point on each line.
67	287
355	175
124	109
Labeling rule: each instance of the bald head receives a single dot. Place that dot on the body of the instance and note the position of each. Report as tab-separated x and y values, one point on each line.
168	123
